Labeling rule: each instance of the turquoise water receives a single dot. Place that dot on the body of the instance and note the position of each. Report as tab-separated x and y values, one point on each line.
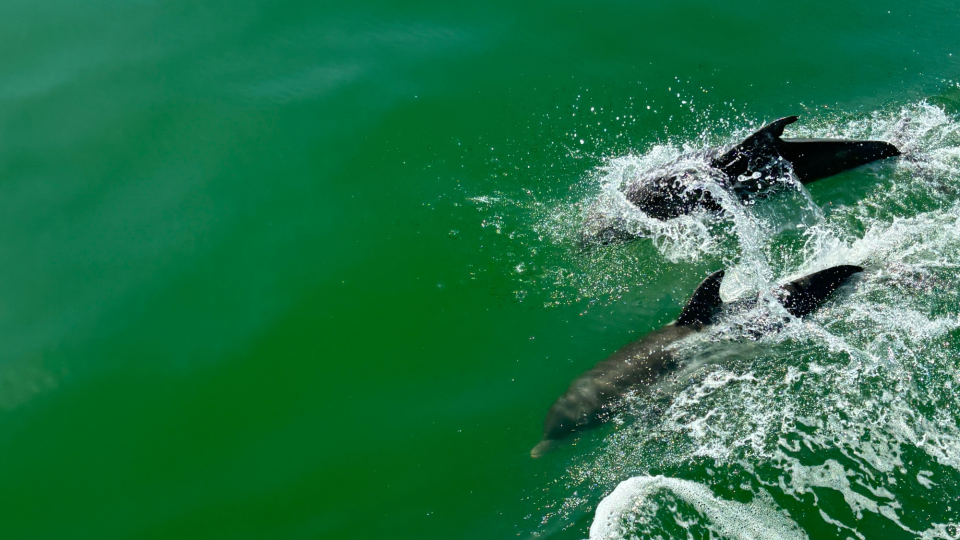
304	270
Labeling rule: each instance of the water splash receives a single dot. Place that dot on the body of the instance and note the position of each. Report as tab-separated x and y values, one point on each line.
827	426
645	504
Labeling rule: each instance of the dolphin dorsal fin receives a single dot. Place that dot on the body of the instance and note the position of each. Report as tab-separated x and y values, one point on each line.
811	159
804	295
761	145
704	303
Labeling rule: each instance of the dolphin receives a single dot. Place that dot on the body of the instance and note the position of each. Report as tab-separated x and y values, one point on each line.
753	167
648	361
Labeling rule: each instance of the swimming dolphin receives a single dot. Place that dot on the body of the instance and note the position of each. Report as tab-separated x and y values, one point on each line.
645	362
753	166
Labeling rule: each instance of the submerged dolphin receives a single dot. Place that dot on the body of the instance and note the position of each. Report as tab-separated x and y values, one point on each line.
754	166
647	361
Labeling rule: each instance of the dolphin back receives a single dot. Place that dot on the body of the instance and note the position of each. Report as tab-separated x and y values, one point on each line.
806	294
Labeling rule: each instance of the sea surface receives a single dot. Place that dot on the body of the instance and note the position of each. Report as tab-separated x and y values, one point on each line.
317	270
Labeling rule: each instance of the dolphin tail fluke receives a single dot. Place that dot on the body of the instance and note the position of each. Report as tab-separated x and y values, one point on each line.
813	159
704	303
806	294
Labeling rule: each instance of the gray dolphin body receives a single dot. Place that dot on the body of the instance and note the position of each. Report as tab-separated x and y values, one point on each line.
645	362
754	166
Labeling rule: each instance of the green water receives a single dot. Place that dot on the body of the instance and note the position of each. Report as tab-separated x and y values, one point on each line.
312	270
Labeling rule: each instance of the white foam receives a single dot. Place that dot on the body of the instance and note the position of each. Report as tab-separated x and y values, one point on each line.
634	508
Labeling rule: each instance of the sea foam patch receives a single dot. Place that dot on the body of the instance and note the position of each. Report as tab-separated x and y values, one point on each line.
644	505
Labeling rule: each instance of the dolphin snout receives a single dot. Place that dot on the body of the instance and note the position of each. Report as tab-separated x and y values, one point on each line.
545	446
